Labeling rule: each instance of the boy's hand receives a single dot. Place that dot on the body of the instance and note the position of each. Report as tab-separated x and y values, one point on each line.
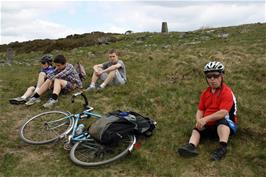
98	73
200	123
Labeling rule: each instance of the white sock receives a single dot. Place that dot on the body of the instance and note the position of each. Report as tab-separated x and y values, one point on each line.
35	91
92	85
23	97
102	85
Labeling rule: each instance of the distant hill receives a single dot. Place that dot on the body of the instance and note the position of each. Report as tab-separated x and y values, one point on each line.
98	38
70	42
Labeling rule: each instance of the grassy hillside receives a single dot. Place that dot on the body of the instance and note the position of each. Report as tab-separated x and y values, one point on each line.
165	80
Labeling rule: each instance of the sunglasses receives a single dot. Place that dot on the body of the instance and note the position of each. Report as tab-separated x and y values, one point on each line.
215	76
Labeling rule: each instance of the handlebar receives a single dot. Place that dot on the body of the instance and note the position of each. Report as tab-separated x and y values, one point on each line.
86	103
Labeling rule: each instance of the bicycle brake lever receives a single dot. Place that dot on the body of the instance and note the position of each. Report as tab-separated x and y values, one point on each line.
84	97
77	94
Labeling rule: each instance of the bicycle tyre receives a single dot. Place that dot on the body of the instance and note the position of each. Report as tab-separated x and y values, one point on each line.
37	130
82	159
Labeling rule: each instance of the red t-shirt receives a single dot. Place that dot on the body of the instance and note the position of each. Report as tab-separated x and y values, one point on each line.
212	102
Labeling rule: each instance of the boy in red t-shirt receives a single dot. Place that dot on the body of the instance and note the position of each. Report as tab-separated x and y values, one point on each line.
216	113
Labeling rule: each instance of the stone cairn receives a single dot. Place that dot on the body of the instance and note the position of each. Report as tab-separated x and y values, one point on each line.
9	56
164	27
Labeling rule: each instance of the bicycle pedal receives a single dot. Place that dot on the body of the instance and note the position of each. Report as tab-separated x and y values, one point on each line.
68	146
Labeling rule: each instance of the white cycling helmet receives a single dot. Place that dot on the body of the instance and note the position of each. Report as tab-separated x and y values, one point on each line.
214	66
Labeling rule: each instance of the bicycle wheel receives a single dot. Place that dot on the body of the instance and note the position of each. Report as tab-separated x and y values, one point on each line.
46	127
90	153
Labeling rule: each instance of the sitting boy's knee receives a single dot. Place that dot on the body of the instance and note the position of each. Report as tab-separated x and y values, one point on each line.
42	74
223	126
32	88
94	67
113	72
47	81
58	81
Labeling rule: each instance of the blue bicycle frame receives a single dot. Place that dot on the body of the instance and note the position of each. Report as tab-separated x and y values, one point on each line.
84	136
77	117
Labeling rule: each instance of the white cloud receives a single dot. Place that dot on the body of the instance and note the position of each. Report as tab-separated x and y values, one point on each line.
27	21
32	20
187	16
37	28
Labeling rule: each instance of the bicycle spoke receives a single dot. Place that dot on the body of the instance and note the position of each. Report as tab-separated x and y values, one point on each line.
94	154
86	154
45	127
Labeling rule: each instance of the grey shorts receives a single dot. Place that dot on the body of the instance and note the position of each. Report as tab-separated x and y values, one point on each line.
118	79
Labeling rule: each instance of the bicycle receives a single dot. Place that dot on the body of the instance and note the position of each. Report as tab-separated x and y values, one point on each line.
51	126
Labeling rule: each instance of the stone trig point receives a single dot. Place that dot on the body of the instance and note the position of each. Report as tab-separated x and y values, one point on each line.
164	28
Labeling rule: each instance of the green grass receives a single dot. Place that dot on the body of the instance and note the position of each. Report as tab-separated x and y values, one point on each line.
164	82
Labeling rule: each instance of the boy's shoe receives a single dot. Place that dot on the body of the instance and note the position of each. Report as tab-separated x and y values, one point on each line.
17	100
219	153
187	150
50	103
32	101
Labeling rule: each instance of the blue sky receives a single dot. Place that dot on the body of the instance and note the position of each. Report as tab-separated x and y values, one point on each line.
29	20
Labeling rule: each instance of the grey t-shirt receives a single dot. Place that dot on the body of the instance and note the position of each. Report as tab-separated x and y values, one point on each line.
121	70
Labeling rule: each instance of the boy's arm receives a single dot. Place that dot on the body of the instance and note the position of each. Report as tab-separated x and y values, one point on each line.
111	68
68	70
97	67
51	76
212	117
216	116
199	114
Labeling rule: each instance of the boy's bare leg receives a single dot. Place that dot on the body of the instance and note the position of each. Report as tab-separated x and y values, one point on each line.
45	86
28	93
94	78
59	84
223	132
41	79
110	77
195	138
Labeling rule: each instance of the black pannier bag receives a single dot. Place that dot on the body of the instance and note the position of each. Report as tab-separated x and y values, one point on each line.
115	125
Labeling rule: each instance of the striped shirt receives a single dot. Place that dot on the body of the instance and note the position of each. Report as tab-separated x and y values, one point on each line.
69	74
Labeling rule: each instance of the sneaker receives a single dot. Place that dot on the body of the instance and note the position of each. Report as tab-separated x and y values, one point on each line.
32	101
187	150
50	103
17	100
219	153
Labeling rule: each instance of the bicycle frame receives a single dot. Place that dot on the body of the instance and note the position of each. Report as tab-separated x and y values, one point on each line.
77	117
84	149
